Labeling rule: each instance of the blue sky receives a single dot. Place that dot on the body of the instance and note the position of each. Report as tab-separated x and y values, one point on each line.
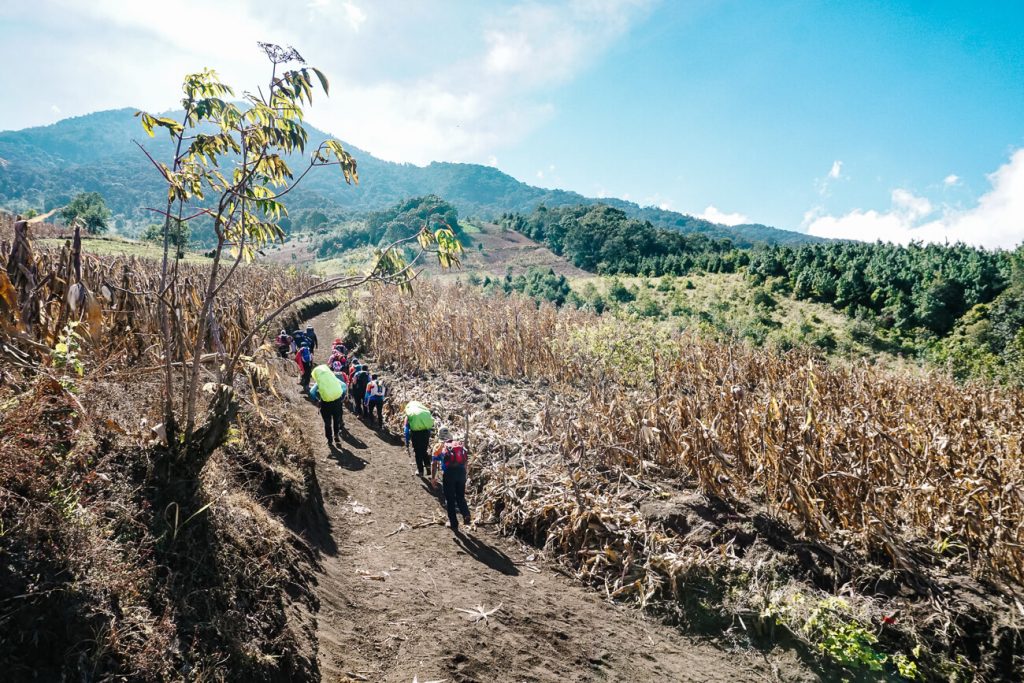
899	120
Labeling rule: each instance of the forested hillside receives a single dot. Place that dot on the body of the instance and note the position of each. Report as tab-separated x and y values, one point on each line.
953	304
42	168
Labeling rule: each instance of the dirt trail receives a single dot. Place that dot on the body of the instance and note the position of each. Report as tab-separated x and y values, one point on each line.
394	583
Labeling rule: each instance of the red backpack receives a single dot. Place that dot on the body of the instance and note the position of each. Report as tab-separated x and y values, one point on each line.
454	455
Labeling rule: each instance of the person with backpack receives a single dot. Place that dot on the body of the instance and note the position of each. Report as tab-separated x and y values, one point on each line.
337	364
348	374
374	400
304	359
451	458
329	393
283	344
360	379
311	337
418	423
299	340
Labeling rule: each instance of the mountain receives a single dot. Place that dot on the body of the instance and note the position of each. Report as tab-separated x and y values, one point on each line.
44	167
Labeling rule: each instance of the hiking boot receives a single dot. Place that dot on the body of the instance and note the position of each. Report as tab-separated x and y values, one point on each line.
465	520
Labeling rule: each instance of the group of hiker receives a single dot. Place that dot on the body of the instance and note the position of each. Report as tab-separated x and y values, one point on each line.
343	377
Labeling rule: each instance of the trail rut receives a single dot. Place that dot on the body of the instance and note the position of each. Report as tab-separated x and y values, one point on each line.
402	598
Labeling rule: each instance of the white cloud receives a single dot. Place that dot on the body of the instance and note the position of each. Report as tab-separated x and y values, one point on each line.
492	161
996	221
507	53
824	184
490	96
907	204
54	108
400	87
354	16
951	180
540	174
715	215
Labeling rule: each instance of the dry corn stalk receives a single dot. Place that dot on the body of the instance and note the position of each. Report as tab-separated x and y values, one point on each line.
850	454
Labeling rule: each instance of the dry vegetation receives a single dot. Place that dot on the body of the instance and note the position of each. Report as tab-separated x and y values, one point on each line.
109	573
112	300
903	492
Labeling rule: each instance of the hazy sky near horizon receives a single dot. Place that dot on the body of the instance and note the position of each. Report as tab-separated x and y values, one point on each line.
860	119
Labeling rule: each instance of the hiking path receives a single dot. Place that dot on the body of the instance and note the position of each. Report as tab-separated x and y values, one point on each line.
402	598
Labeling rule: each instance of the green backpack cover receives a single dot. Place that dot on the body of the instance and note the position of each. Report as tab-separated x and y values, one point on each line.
419	417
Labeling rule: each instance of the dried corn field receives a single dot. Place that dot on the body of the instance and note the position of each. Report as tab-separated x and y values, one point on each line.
585	428
113	303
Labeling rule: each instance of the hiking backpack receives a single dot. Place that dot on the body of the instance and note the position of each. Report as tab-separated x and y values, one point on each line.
378	390
306	355
454	455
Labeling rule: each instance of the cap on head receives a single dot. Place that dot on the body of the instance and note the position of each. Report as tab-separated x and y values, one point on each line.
444	434
309	328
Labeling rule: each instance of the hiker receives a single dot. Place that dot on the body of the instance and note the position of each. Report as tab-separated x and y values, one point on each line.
329	392
418	423
337	364
283	343
359	381
304	359
451	458
375	393
348	374
339	346
311	337
299	340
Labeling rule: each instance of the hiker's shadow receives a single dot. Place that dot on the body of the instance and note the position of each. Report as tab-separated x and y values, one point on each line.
436	492
347	459
486	554
354	440
389	438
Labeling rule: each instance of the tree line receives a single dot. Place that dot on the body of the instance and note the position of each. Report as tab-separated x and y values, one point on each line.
603	239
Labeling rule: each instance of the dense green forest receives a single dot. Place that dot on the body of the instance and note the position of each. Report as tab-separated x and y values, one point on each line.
603	239
400	221
43	168
902	287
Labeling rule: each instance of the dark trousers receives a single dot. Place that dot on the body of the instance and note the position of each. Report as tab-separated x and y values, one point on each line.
357	399
454	484
333	417
307	371
376	404
420	446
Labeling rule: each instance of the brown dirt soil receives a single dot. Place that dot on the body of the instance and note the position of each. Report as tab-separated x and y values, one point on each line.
394	582
503	249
